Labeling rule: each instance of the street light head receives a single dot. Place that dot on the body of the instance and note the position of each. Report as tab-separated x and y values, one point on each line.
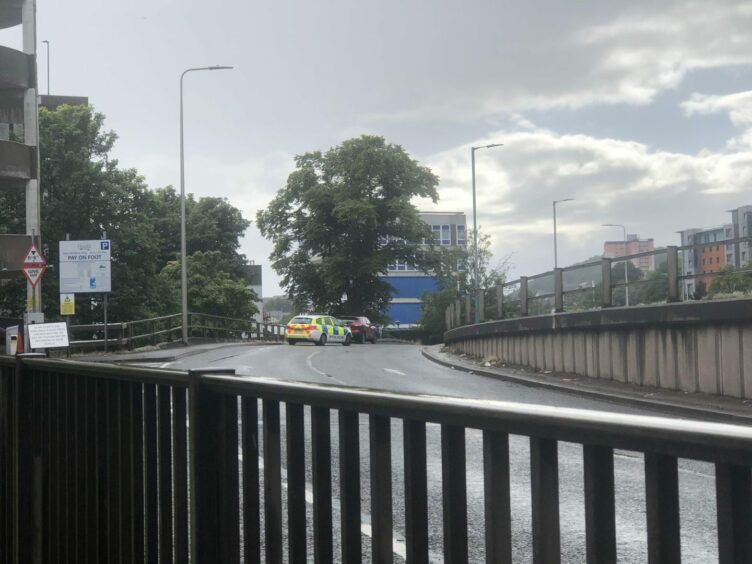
494	145
564	200
45	41
220	67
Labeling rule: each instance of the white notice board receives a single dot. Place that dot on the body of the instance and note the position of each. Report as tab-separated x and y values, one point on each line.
85	267
47	335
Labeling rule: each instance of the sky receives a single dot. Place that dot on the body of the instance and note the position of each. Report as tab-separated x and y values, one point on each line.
641	111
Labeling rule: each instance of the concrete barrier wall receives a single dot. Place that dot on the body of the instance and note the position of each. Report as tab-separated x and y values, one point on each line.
694	347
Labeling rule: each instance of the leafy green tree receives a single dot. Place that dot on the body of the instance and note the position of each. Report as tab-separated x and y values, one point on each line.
212	288
731	281
342	217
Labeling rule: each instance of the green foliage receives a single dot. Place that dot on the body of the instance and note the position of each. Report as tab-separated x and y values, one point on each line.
342	217
212	287
278	303
87	195
731	281
454	268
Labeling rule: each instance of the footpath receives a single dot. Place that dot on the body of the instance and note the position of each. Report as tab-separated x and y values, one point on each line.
169	353
669	402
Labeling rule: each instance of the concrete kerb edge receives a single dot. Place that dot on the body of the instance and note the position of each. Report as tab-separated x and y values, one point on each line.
669	407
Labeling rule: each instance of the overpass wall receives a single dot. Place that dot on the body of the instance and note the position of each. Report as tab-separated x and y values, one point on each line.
692	347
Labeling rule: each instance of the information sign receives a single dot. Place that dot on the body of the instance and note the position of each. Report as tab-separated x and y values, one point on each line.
67	304
33	265
47	335
85	267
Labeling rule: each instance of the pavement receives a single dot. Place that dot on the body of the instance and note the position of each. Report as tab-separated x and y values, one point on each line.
696	405
169	353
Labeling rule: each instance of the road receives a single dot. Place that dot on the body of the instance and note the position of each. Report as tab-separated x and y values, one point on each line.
402	368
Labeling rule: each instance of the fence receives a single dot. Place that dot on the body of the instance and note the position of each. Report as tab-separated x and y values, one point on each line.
168	329
115	464
562	289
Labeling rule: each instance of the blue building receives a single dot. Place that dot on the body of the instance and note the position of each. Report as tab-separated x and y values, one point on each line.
449	228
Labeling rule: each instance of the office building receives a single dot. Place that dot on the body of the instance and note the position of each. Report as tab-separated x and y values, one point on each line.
409	283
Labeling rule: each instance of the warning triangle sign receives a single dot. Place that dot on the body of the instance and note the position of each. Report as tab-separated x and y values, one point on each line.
33	256
33	274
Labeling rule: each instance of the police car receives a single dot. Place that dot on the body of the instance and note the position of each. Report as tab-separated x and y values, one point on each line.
317	328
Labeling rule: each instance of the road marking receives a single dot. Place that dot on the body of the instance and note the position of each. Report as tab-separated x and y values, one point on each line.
393	371
309	362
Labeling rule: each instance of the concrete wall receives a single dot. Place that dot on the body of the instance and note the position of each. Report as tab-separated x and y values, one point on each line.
692	347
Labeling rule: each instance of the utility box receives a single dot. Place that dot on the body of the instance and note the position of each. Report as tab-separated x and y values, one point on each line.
11	340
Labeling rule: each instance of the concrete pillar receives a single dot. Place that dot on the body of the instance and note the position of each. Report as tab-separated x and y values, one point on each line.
448	317
468	310
500	301
558	290
457	313
606	300
672	261
481	301
523	296
31	136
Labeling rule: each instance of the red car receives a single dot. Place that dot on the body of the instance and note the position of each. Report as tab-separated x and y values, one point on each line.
362	329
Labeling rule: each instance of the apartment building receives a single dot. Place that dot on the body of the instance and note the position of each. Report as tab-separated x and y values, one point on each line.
632	246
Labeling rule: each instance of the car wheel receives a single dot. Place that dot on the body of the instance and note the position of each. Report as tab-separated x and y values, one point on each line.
291	341
322	340
347	341
374	339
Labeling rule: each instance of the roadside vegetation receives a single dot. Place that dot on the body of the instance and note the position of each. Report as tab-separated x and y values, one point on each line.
87	194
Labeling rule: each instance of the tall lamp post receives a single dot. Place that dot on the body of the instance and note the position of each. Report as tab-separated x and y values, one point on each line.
475	229
183	258
626	270
556	250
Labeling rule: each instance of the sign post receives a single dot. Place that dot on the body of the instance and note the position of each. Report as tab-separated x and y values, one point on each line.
33	267
85	269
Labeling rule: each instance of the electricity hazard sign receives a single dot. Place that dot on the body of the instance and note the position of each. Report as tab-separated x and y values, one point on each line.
33	265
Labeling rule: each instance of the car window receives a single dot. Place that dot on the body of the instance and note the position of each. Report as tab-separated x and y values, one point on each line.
365	320
300	320
320	321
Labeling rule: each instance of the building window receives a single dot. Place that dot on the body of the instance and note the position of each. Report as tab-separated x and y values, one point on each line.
718	260
441	234
729	258
461	235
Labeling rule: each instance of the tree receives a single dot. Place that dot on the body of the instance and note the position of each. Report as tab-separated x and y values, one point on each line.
701	290
731	281
212	288
454	268
342	217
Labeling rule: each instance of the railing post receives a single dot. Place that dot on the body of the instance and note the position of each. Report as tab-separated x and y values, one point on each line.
558	290
457	313
606	300
523	296
27	474
500	301
672	260
169	329
448	317
206	429
481	301
130	336
468	310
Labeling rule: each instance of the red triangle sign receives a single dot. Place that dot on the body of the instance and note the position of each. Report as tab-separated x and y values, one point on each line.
33	273
33	257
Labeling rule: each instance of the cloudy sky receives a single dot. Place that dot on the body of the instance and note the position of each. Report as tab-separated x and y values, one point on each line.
641	111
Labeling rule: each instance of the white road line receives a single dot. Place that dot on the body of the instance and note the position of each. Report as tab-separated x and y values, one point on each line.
309	362
393	371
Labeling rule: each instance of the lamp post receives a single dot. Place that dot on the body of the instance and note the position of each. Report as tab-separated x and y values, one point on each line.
183	261
48	65
476	286
626	270
556	251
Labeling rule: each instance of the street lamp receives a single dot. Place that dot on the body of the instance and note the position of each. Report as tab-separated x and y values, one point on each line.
475	228
48	65
556	252
183	261
626	276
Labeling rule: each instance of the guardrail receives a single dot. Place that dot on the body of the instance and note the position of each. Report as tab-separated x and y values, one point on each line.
557	290
168	329
94	467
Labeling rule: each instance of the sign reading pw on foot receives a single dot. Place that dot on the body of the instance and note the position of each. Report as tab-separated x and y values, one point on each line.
85	267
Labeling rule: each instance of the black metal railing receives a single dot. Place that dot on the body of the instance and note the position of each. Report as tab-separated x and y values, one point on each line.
94	467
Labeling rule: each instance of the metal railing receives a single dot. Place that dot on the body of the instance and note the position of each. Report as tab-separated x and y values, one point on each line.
110	464
557	291
168	329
